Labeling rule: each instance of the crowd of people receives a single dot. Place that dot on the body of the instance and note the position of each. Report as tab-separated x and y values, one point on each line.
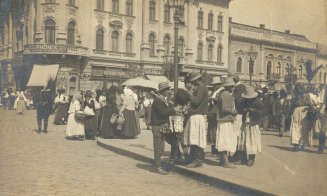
227	115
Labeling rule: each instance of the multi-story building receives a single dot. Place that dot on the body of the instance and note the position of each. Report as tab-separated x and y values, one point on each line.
275	50
322	60
103	41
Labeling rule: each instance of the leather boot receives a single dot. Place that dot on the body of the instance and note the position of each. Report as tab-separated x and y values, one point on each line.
39	125
224	161
45	126
250	162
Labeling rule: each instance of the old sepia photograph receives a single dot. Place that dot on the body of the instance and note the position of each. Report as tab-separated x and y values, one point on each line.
163	97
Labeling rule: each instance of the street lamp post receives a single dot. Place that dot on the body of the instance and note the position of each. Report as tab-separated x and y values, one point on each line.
251	56
177	5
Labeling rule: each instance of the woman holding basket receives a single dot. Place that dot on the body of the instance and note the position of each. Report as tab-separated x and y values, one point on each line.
75	126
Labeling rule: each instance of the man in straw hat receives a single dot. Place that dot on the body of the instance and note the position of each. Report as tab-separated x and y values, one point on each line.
249	141
160	112
226	136
212	113
195	130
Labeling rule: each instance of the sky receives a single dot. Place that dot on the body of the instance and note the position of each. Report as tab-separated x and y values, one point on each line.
304	17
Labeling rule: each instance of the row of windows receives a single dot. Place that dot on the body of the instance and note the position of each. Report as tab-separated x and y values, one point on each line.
269	68
50	32
114	41
210	52
69	2
115	6
210	21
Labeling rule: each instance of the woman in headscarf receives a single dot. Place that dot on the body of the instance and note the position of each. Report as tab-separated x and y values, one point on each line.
75	127
107	129
20	103
131	128
90	120
61	109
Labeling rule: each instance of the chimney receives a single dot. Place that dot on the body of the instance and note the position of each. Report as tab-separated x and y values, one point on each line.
262	26
287	31
230	19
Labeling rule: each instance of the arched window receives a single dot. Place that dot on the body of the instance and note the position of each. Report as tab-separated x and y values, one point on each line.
100	4
325	78
219	53
200	51
114	40
167	13
200	19
129	7
239	65
71	2
220	24
71	33
320	77
278	68
115	6
166	43
269	68
152	40
129	43
300	71
181	46
152	10
50	31
210	18
210	52
99	39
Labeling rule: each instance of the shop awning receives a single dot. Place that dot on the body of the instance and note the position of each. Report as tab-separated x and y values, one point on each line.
157	79
41	74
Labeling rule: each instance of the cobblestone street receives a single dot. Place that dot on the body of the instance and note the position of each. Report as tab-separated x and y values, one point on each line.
48	164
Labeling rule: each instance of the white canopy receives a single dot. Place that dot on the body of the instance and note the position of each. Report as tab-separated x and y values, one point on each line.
41	74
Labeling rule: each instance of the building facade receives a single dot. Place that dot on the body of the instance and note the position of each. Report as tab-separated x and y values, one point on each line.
105	42
322	60
276	51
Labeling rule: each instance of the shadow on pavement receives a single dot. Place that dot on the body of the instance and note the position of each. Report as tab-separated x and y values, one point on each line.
290	149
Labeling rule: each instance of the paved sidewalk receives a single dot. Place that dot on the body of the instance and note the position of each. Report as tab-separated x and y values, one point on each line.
277	169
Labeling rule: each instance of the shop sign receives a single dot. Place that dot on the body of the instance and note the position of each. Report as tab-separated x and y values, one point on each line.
47	48
153	72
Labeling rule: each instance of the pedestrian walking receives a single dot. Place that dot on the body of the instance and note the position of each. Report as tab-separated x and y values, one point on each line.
61	108
75	126
43	104
195	130
20	103
131	127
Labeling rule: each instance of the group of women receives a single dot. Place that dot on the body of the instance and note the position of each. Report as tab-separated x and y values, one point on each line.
100	108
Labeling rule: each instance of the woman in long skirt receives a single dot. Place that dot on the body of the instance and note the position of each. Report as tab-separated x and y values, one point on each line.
107	129
131	128
249	141
90	120
75	127
61	108
20	103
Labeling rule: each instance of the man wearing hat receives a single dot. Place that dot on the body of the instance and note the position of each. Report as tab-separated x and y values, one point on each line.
160	112
249	143
226	136
195	130
212	113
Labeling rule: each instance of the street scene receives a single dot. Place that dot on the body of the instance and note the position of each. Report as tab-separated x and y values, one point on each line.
163	97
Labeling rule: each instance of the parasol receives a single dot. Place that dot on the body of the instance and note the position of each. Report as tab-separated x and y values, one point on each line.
140	82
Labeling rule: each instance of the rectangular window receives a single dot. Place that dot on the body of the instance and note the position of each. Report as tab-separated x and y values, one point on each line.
200	20
50	1
129	7
100	4
115	6
167	13
152	10
220	24
210	17
71	2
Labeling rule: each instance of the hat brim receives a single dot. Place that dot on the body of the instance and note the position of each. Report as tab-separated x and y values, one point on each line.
164	88
228	84
216	83
250	96
195	78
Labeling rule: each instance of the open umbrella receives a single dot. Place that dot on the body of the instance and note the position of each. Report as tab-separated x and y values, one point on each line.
140	82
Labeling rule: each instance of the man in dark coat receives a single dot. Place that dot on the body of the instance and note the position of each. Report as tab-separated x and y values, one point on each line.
160	112
43	103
